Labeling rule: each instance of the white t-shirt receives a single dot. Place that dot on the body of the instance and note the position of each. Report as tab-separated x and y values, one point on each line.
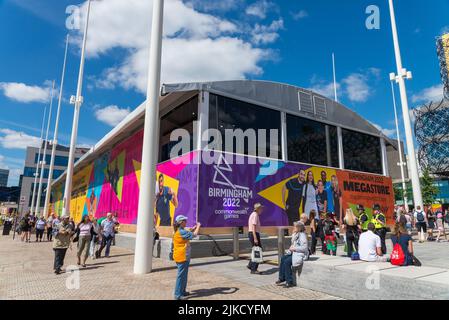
368	243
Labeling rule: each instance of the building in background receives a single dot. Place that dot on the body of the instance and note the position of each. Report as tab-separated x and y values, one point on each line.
4	174
27	180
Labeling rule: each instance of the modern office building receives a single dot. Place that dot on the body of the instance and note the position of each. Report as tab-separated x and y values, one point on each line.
4	175
316	139
27	180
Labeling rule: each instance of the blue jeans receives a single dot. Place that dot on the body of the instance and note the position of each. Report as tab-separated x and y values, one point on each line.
285	269
106	242
181	279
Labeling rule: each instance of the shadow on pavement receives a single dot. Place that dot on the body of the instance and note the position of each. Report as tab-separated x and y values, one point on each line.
269	271
102	263
212	291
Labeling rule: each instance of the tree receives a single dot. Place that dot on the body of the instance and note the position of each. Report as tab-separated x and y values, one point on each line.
428	189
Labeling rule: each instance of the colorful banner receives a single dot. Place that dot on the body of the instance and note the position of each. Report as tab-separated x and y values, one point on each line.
229	189
111	184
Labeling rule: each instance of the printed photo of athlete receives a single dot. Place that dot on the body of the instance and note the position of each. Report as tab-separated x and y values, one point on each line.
164	196
295	189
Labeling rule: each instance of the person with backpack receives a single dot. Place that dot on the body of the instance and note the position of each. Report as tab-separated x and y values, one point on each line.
420	223
25	227
380	223
330	237
402	254
352	227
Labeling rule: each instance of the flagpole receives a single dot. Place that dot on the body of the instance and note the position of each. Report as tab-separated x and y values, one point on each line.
143	257
77	101
41	177
335	77
36	173
55	134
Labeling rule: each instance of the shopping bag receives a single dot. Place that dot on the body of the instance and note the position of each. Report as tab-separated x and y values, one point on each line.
257	255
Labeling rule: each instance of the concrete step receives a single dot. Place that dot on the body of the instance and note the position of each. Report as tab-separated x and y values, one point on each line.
374	281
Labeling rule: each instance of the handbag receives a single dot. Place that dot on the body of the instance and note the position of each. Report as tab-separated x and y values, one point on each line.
257	255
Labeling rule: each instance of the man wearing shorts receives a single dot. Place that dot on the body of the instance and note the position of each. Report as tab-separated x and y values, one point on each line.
421	223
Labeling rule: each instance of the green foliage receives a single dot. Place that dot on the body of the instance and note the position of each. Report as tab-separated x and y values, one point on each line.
428	189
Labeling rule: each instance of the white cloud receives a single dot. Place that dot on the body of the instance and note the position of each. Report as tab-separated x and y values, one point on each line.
197	46
264	34
357	88
388	132
325	88
24	93
429	94
444	30
111	115
11	139
301	14
260	8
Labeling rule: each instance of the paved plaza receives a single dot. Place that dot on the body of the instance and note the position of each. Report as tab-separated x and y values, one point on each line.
26	273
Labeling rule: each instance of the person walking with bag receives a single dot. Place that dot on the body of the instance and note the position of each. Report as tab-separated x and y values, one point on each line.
295	256
254	234
181	253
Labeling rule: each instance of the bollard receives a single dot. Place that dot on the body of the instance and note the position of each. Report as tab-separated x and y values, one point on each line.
235	233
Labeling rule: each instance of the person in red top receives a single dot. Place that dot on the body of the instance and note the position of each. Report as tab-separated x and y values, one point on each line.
254	234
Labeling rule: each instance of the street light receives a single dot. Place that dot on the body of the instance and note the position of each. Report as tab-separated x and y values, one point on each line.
55	134
43	163
36	173
77	101
144	234
400	77
401	163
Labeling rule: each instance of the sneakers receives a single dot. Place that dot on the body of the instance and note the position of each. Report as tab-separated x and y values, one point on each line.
279	283
289	285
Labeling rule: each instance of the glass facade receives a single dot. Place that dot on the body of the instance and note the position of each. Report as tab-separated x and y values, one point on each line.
311	142
226	113
181	117
362	152
60	161
29	172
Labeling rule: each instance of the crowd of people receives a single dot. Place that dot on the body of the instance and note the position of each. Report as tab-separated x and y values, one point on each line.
91	235
364	236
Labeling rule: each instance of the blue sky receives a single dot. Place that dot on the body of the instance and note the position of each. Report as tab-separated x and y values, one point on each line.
285	41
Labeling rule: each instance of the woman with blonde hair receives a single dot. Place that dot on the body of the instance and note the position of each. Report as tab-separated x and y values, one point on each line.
352	227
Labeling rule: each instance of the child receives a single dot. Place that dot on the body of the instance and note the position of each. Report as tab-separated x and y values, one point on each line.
329	234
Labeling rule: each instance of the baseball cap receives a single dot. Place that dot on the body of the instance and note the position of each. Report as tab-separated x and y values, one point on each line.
180	218
257	206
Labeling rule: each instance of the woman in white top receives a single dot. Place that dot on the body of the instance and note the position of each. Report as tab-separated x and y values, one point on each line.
84	231
309	195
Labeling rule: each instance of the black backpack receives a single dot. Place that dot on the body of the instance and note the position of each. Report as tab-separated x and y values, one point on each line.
420	216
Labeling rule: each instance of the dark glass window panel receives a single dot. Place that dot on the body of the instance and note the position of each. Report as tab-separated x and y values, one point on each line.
226	113
362	152
182	117
311	142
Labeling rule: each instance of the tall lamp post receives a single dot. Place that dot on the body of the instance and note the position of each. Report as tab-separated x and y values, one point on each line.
77	101
403	74
144	233
55	135
401	162
36	173
44	155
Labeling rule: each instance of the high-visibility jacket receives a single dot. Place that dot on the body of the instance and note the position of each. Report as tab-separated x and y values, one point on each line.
364	224
181	247
377	223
